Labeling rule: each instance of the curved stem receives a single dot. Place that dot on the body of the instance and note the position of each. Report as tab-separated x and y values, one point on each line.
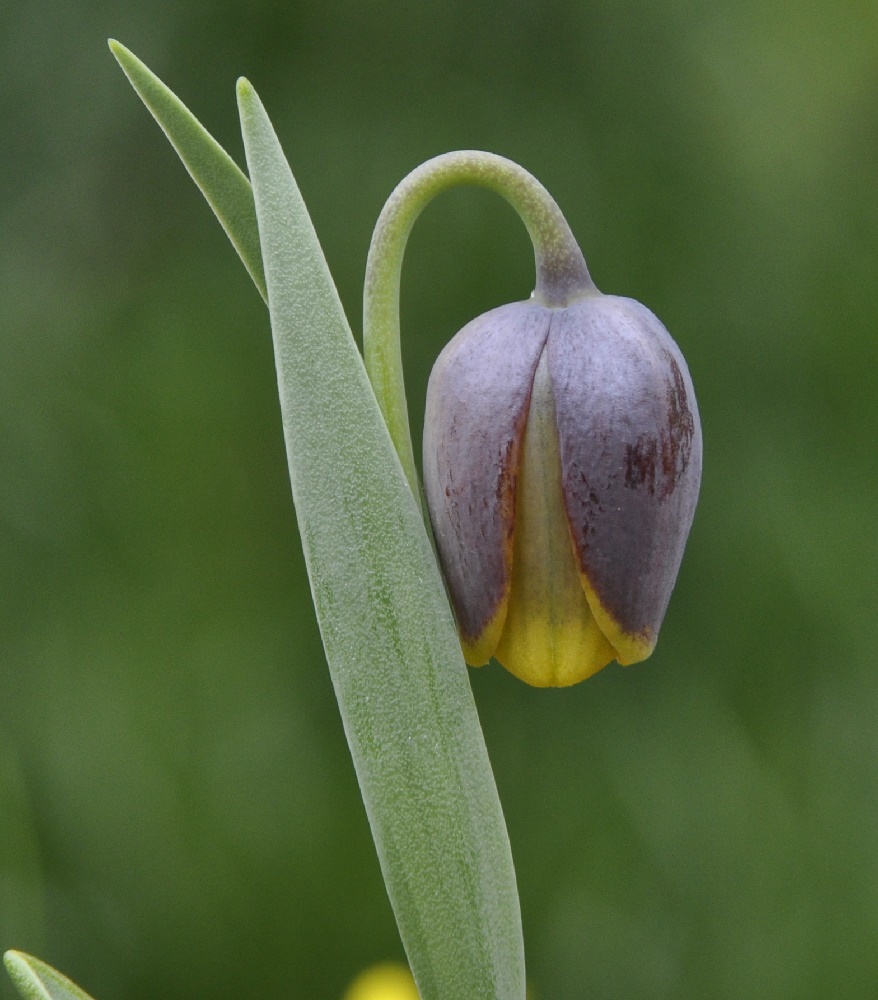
561	273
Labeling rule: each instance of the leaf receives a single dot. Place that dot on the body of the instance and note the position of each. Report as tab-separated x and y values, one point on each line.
37	981
387	628
221	181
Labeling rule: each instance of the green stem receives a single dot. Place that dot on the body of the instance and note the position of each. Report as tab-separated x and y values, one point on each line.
561	273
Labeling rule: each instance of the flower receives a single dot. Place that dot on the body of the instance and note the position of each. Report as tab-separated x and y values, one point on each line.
562	462
387	981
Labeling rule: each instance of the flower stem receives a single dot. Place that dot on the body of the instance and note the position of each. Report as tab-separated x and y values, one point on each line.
561	273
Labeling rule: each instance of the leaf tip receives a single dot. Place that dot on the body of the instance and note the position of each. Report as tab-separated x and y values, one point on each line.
19	970
11	959
124	57
119	50
248	100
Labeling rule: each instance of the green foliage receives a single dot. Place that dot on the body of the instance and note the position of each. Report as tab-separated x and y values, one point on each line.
37	981
387	629
222	183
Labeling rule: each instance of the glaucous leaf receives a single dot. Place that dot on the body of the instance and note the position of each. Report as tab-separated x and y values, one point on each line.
35	980
221	181
388	630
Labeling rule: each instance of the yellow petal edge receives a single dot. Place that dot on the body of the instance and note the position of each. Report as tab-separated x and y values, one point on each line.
629	647
550	637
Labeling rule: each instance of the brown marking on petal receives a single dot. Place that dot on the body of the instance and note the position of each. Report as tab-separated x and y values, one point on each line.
640	460
631	461
658	462
477	404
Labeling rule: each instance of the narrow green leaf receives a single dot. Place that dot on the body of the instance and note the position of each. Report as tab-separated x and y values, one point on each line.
222	183
35	980
389	635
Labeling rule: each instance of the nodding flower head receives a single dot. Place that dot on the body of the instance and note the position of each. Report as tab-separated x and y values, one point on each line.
562	462
562	448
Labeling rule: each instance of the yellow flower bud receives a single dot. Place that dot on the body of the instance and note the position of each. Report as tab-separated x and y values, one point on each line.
388	981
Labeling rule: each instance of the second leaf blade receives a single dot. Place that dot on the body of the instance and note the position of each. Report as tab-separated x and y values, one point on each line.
389	635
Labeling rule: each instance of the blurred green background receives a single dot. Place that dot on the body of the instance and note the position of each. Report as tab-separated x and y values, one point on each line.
179	814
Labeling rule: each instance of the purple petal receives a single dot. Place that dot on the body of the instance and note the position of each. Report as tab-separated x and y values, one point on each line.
630	458
477	404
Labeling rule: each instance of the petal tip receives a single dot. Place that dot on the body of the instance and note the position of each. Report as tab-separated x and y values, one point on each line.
629	647
478	649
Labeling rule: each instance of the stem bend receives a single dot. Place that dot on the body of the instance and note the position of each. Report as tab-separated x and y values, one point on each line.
561	273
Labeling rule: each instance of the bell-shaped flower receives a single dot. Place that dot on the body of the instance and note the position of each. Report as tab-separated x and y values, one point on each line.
562	462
